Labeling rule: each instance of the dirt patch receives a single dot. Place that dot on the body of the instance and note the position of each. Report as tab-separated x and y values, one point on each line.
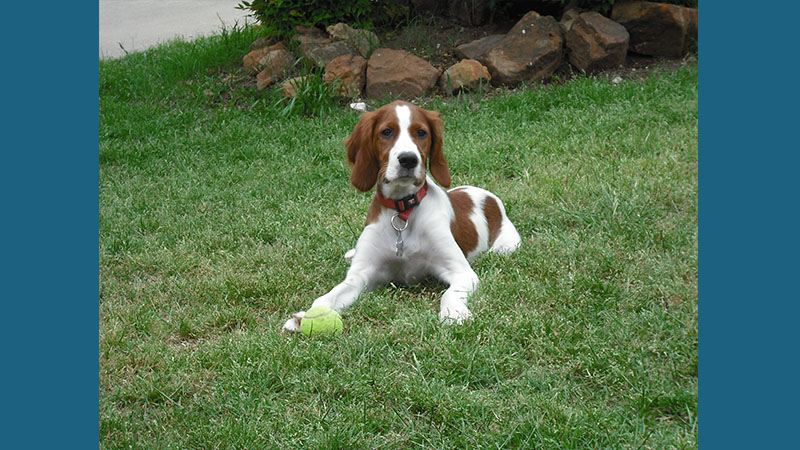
436	41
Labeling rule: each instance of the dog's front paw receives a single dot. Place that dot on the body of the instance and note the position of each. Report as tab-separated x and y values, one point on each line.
454	314
293	325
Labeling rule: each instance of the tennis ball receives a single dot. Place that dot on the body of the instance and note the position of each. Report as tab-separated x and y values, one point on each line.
321	320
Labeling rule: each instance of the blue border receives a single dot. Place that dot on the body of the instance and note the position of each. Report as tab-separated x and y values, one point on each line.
50	191
748	164
748	233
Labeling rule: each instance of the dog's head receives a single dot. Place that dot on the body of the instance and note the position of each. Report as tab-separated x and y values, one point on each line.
393	145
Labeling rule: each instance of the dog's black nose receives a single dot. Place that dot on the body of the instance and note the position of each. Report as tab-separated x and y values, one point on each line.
408	160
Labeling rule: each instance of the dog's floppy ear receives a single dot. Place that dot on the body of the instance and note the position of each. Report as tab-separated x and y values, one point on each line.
361	154
438	164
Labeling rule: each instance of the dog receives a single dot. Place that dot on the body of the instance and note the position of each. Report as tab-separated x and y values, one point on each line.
415	228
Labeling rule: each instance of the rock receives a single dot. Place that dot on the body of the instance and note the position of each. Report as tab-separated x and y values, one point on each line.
596	43
250	62
364	41
690	43
568	18
322	54
466	74
350	70
531	51
478	47
306	32
399	74
315	45
289	87
261	43
264	79
657	29
470	12
275	64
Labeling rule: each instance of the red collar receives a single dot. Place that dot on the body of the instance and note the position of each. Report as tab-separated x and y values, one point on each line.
405	204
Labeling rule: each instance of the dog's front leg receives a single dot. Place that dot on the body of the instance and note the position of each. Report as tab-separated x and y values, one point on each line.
463	282
360	276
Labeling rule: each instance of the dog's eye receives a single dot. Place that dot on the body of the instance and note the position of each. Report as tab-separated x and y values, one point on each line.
387	132
421	133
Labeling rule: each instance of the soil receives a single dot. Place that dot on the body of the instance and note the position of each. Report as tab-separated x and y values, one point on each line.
437	41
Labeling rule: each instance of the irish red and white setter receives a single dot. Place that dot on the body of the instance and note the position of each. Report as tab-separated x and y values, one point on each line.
415	228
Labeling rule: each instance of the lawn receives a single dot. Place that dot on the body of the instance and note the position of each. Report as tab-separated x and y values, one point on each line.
221	213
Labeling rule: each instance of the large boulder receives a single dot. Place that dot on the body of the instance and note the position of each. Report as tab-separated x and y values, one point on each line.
596	43
477	48
658	29
399	74
364	41
275	65
466	74
531	51
350	72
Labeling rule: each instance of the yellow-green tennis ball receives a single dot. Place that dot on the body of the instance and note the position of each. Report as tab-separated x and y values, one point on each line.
321	320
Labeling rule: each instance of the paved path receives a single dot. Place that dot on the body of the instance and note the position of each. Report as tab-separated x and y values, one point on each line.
139	24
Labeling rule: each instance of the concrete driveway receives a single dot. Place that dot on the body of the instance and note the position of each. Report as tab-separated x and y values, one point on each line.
139	24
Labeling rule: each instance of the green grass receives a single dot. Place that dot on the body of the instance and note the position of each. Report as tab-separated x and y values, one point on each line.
221	213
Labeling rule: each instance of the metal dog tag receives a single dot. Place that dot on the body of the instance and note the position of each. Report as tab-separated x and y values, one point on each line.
398	245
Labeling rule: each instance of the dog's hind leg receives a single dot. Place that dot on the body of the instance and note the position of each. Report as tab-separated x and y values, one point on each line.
507	240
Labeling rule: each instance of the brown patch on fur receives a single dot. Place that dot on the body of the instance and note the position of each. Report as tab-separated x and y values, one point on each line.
462	227
374	211
430	146
367	150
361	153
494	218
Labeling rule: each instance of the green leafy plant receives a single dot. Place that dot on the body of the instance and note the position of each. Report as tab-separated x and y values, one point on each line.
313	96
281	16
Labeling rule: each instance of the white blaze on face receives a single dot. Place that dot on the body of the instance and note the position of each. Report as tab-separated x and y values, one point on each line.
403	144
